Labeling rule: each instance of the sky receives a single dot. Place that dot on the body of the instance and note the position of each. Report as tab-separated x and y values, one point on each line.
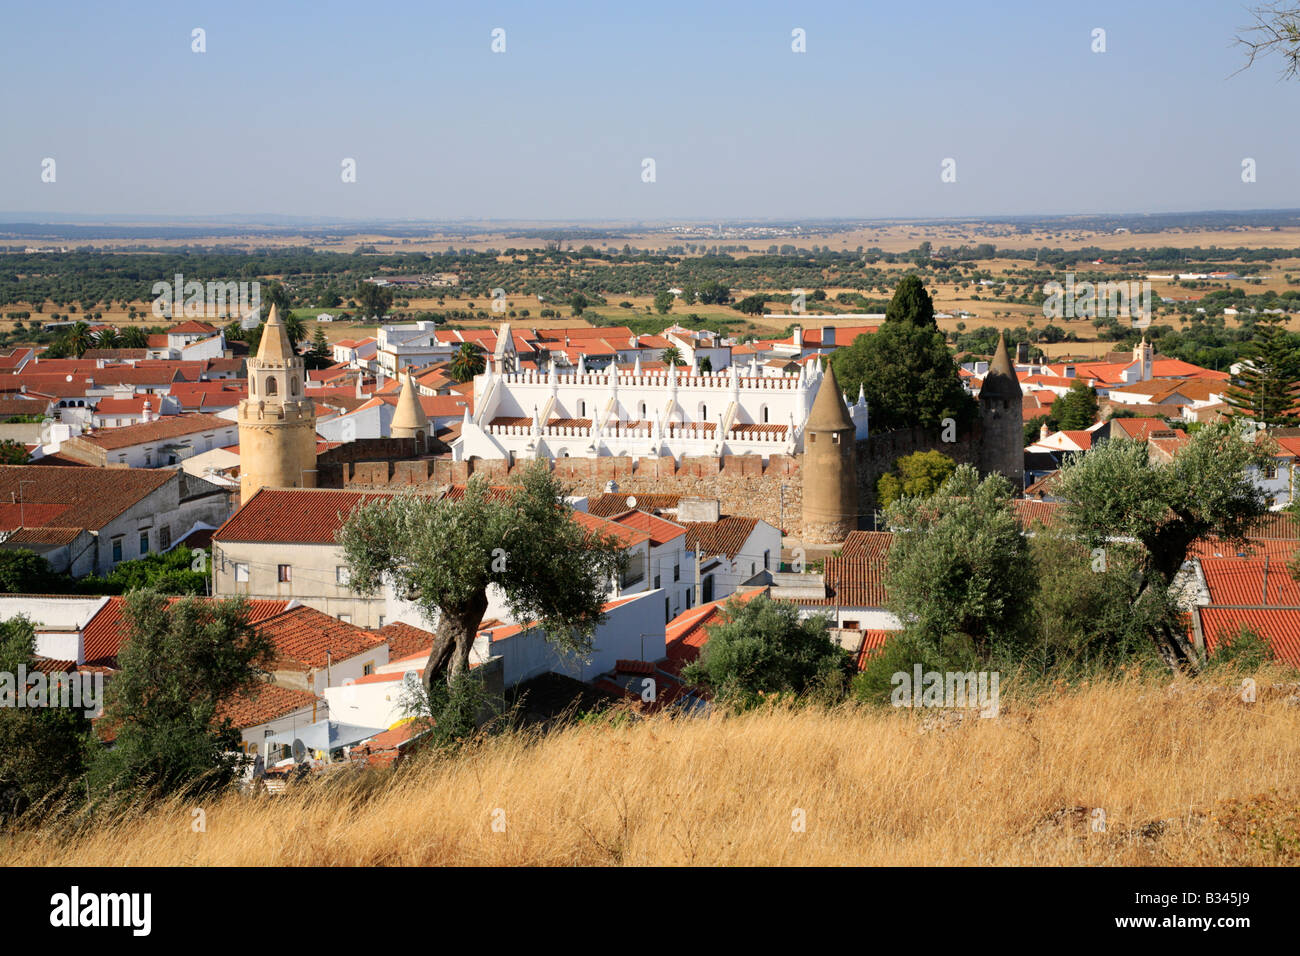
558	126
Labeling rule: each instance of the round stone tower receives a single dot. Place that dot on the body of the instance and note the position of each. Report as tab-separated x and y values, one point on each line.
277	422
829	471
1002	446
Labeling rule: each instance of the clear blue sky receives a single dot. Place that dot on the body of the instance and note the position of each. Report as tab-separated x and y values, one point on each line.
557	126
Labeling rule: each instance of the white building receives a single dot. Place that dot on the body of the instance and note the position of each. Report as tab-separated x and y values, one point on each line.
523	415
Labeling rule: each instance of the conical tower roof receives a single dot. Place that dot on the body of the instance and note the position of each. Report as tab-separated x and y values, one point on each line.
275	346
828	412
1001	381
410	413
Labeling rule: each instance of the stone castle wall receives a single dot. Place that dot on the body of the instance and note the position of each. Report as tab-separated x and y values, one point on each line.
743	484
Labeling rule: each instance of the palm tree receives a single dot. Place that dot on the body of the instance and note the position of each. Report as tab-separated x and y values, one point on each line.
467	362
78	339
107	338
673	355
133	337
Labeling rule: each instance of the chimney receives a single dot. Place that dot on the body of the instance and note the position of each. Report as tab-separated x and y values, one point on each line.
1043	432
1264	599
798	336
147	414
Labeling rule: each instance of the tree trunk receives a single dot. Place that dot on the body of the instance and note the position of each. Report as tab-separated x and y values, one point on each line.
453	640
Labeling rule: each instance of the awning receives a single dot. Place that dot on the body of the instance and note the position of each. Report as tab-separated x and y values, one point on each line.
325	735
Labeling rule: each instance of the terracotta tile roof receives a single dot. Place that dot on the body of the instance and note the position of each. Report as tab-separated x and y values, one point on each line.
88	497
192	327
124	406
17	404
304	635
1279	550
851	582
1234	580
724	536
611	503
267	702
293	515
627	536
872	641
107	630
1139	429
869	545
404	640
1280	626
659	530
1277	524
688	632
742	430
170	426
1031	512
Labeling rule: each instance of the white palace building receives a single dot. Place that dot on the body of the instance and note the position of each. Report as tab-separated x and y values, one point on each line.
665	411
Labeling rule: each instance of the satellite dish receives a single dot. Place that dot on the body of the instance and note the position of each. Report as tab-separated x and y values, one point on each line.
299	751
631	501
68	378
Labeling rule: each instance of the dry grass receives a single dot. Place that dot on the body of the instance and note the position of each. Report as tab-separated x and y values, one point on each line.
1186	774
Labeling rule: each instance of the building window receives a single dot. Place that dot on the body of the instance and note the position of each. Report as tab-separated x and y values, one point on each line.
165	537
341	575
284	573
148	458
367	668
1270	471
241	571
144	542
812	436
677	572
764	414
270	386
117	550
345	618
668	611
835	438
381	620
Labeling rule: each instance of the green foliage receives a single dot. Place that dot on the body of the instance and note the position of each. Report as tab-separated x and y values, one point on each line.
663	302
373	301
180	661
444	552
1115	491
905	368
762	647
23	571
874	684
1267	388
13	453
958	567
42	750
1077	408
1091	612
1242	651
468	361
918	475
578	303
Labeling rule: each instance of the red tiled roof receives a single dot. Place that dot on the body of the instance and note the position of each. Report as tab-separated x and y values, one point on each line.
1031	512
170	426
307	637
89	497
266	702
107	630
293	515
724	536
1234	580
659	530
1279	626
869	545
851	582
608	504
688	632
872	641
404	639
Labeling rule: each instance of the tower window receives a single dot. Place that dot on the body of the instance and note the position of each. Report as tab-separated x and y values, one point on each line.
270	386
835	438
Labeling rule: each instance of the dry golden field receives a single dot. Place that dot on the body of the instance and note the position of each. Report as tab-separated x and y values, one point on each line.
1184	772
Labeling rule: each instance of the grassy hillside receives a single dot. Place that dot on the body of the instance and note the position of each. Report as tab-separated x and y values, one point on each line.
1187	773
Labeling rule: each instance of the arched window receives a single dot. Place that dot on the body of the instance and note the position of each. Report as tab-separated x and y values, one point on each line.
704	412
270	386
642	415
293	385
764	414
252	386
582	409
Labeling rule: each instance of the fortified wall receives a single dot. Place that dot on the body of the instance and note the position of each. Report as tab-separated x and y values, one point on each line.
743	484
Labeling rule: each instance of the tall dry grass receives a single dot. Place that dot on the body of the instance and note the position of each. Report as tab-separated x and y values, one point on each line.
1186	773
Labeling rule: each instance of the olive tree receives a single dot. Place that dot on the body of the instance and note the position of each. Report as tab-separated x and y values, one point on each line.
443	554
1116	492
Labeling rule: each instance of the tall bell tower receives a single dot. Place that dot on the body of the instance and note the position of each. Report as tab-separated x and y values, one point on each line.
277	422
